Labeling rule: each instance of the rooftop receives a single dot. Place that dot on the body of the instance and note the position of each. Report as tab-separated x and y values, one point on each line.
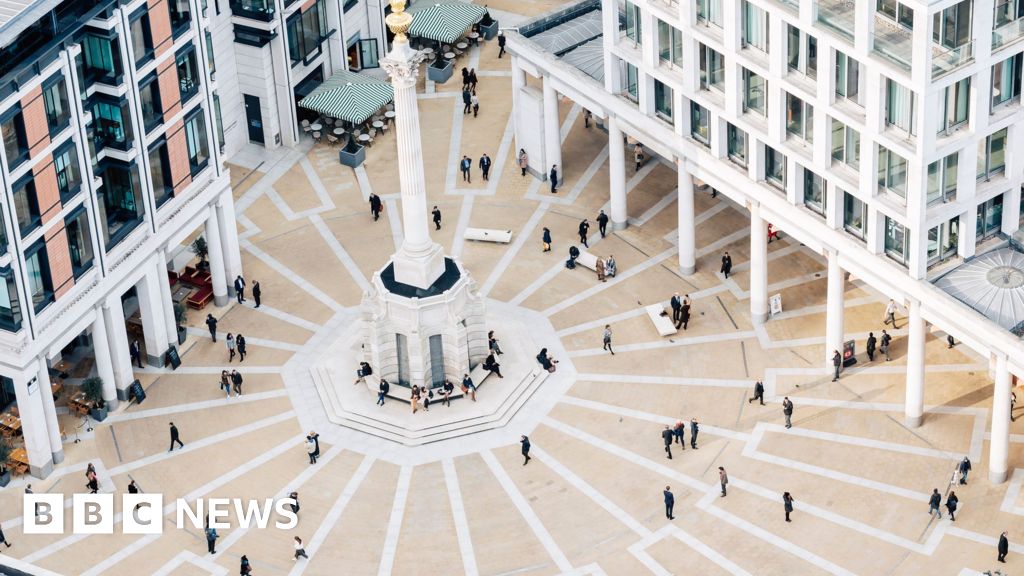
17	15
992	284
572	33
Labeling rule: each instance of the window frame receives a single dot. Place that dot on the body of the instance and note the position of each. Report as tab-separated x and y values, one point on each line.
740	158
72	188
772	157
73	219
34	218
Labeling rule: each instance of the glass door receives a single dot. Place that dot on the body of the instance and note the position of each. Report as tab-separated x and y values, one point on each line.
990	218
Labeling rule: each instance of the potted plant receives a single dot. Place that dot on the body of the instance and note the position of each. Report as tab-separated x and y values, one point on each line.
488	26
200	249
352	154
5	453
179	321
440	70
93	388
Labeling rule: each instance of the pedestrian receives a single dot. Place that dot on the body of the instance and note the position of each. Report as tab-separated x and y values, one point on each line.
316	442
772	233
602	223
934	502
300	550
465	77
93	485
240	344
426	394
684	315
694	429
414	398
211	323
787	503
485	166
670	502
526	449
465	165
375	206
553	176
175	438
758	393
382	390
837	363
951	502
256	292
362	372
467	99
244	569
446	393
964	468
523	160
240	288
1004	547
587	115
666	437
476	104
890	313
492	343
472	79
133	488
3	538
884	348
787	411
679	432
135	352
723	479
546	362
468	387
726	265
236	382
491	364
436	213
608	338
501	44
311	450
599	269
871	346
638	155
230	343
545	240
610	268
950	342
584	228
676	303
225	384
211	539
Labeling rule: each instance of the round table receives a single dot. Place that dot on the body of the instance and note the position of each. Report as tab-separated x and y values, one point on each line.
378	125
449	55
339	131
364	137
317	127
427	51
390	114
462	45
474	35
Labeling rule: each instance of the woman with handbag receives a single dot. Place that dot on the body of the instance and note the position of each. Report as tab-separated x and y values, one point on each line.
546	362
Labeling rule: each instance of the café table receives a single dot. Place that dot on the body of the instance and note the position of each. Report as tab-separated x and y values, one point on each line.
317	127
339	131
449	55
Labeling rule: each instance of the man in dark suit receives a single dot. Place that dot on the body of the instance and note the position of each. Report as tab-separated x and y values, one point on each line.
758	393
485	166
726	265
553	176
240	288
136	352
174	437
211	323
256	292
670	501
837	363
526	449
872	341
437	217
375	206
693	433
676	304
666	436
684	316
1004	547
602	223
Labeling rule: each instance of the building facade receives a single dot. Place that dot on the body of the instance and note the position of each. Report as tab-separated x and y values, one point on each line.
875	132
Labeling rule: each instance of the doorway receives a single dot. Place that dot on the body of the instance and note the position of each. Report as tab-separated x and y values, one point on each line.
254	118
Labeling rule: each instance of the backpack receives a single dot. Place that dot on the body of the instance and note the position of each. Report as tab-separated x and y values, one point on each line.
570	264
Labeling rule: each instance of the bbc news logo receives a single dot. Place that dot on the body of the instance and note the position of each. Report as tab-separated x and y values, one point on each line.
143	513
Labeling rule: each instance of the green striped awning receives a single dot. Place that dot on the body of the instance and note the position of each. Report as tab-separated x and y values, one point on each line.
349	96
443	22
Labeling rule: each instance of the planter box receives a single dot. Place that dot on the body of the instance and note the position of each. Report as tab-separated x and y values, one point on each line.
352	156
98	414
182	333
5	478
489	32
440	75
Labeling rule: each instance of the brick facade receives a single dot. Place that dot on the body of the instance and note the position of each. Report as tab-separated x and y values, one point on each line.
160	27
177	154
37	131
47	192
59	255
170	90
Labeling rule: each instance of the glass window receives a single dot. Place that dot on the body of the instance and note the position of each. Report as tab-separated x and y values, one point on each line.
951	28
900	106
845	144
814	191
26	205
113	126
847	78
79	242
219	119
15	141
892	172
942	179
142	39
670	44
662	100
101	60
754	88
992	155
160	173
368	55
634	16
211	63
990	218
308	29
855	216
632	81
942	241
1006	81
55	101
65	163
149	99
37	268
181	16
712	69
774	168
755	27
195	138
700	123
955	103
709	12
737	147
801	52
188	73
896	244
1007	11
799	118
10	307
121	208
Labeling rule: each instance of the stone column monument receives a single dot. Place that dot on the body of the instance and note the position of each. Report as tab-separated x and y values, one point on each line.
423	317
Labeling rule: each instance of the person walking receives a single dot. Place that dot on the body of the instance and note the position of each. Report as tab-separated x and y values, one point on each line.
837	363
300	550
608	338
244	568
211	539
602	222
950	342
684	315
465	78
638	156
666	437
467	99
890	313
545	240
240	344
679	433
934	502
492	343
501	44
787	504
476	103
382	390
526	449
472	79
175	438
676	303
311	450
964	468
135	351
523	160
723	479
240	288
485	166
491	364
436	213
726	265
316	442
587	115
465	165
3	538
553	176
256	292
872	341
225	383
1003	547
884	348
694	429
758	392
211	323
236	382
584	228
229	341
951	502
375	206
670	502
599	269
787	411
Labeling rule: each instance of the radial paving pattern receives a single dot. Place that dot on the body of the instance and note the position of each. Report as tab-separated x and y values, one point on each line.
591	500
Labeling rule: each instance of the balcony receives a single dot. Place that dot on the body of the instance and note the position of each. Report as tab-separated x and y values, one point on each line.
894	41
262	10
1007	33
839	16
946	60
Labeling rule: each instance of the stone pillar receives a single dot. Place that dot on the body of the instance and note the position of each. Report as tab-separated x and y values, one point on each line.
117	339
50	412
687	234
151	308
33	424
999	447
518	81
758	266
104	365
170	323
552	130
216	258
914	409
617	174
834	308
229	238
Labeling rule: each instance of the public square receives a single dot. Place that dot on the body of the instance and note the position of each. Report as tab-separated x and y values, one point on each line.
590	500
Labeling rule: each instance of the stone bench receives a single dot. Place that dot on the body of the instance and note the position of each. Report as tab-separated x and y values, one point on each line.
663	324
587	260
487	235
403	394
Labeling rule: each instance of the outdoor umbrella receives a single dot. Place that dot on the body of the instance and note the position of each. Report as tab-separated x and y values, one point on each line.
443	22
349	96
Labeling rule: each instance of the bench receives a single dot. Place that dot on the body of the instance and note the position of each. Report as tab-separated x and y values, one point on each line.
200	298
587	260
487	235
403	394
663	324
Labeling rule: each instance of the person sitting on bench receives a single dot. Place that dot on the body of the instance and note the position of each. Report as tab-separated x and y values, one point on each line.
492	365
363	371
546	362
574	253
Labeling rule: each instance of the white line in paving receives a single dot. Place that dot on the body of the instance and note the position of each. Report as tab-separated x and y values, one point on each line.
464	213
291	276
255	341
668	380
340	252
462	533
708	552
194	406
365	187
858	441
602	286
318	185
286	317
498	167
656	418
121	554
655	210
454	144
710	338
639	550
207	370
542	534
521	238
387	559
570	120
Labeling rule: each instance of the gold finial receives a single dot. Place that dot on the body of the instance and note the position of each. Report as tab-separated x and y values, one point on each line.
399	20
